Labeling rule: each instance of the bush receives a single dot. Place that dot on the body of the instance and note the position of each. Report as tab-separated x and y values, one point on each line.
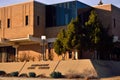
56	75
32	74
2	73
8	75
15	74
23	75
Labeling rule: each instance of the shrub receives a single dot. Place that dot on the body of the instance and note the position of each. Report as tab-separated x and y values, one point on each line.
2	73
8	75
23	75
32	74
15	74
56	75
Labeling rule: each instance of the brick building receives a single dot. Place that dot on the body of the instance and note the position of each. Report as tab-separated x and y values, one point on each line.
23	24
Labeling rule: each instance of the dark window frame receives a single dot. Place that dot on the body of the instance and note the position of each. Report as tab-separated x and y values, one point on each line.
38	20
0	23
114	22
26	20
8	23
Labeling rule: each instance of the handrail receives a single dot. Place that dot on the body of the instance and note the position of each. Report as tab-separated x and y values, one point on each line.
22	66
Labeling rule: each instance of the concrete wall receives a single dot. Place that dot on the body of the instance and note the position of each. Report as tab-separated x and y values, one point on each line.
65	67
85	66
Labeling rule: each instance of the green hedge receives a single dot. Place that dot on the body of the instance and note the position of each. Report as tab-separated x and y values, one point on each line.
32	74
2	73
56	75
15	74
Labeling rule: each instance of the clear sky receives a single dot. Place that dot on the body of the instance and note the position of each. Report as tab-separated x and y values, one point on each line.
89	2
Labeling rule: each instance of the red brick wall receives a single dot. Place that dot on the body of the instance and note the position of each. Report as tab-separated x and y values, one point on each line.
16	14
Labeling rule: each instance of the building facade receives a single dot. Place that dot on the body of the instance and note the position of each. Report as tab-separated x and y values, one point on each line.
21	28
22	25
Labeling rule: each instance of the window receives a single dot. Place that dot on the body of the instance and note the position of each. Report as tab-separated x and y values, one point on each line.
65	5
0	23
114	22
38	20
66	18
8	23
68	6
26	20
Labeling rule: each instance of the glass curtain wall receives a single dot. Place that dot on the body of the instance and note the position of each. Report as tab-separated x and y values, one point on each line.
61	14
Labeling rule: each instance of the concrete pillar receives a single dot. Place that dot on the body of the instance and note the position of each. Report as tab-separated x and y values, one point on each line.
4	56
73	55
16	52
76	55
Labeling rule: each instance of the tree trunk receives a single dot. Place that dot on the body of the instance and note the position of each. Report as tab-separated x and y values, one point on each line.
63	56
75	54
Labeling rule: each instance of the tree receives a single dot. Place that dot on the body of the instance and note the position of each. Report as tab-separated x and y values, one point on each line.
80	37
59	45
74	35
93	29
100	40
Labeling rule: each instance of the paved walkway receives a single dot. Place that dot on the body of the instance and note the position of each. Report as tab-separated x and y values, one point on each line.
16	78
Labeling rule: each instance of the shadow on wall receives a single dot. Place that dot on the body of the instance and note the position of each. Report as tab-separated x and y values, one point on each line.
106	68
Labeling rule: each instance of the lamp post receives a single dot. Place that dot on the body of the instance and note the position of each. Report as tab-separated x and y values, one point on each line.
43	38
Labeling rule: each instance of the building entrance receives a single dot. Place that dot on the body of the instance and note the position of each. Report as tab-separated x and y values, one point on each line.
7	54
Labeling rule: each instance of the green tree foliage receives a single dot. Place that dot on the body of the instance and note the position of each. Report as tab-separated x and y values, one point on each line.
79	37
74	35
98	36
93	28
59	45
69	39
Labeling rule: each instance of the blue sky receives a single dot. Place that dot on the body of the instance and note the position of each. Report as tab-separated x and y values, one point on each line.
89	2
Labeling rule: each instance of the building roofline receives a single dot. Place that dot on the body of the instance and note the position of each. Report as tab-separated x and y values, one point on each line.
102	5
15	4
68	1
115	6
60	2
40	3
111	6
107	5
21	3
